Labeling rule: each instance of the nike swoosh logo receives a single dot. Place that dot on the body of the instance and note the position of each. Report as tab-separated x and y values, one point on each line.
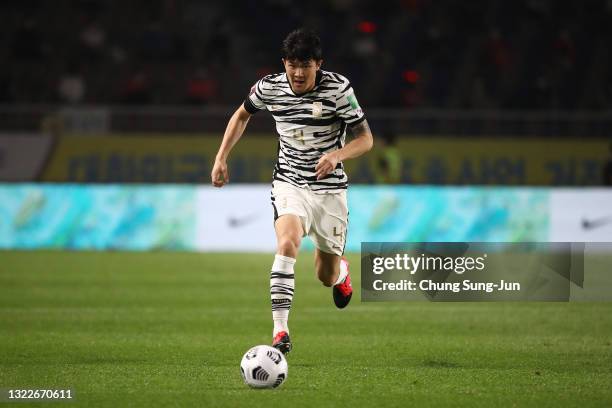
237	222
595	223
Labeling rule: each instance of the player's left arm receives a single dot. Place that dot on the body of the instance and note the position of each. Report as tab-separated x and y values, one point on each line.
362	142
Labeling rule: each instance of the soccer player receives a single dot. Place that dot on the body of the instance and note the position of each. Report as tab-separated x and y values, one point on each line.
312	109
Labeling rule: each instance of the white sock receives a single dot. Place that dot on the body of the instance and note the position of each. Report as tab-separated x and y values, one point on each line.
282	284
343	272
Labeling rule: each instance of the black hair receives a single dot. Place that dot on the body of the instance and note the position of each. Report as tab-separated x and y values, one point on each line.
302	45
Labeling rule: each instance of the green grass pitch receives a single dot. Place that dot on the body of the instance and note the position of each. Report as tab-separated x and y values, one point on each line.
169	329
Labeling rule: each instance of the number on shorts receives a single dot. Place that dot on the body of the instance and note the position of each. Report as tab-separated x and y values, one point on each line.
339	234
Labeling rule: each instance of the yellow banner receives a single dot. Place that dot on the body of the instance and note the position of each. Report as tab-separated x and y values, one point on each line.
169	158
499	161
157	159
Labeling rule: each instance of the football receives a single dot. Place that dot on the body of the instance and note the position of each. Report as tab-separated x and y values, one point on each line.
263	367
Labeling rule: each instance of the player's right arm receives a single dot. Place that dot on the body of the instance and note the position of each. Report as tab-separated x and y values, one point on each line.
234	130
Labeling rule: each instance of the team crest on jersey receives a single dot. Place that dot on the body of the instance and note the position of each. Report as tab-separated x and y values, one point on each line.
317	109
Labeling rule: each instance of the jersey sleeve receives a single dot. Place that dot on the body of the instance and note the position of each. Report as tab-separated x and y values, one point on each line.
347	106
254	102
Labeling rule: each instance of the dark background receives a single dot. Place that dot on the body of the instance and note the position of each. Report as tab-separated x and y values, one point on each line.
518	55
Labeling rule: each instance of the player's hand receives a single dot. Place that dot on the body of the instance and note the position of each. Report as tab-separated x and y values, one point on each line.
219	175
327	163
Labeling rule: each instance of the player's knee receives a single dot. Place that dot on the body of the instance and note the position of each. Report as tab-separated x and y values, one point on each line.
288	245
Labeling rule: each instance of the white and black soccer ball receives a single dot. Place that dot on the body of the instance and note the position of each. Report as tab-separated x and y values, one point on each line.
263	367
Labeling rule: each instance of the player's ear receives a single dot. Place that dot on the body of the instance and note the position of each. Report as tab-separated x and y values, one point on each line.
319	63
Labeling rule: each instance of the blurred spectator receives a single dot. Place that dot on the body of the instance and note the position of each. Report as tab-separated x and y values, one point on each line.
411	88
498	51
498	61
364	45
478	95
565	49
137	88
93	40
388	160
118	55
201	88
71	86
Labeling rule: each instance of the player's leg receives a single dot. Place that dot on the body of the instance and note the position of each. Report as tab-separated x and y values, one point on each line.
328	232
289	234
327	267
291	221
333	270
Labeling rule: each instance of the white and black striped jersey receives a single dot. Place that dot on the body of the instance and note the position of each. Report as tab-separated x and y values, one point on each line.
309	125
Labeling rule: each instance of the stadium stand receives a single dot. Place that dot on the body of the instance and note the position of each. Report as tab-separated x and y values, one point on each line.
525	55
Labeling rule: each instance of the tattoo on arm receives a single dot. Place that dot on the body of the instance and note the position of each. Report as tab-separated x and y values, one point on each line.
361	128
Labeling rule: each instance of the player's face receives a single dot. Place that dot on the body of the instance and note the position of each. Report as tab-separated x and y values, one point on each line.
301	74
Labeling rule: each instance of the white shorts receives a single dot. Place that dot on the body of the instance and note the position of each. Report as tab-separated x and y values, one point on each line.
324	216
